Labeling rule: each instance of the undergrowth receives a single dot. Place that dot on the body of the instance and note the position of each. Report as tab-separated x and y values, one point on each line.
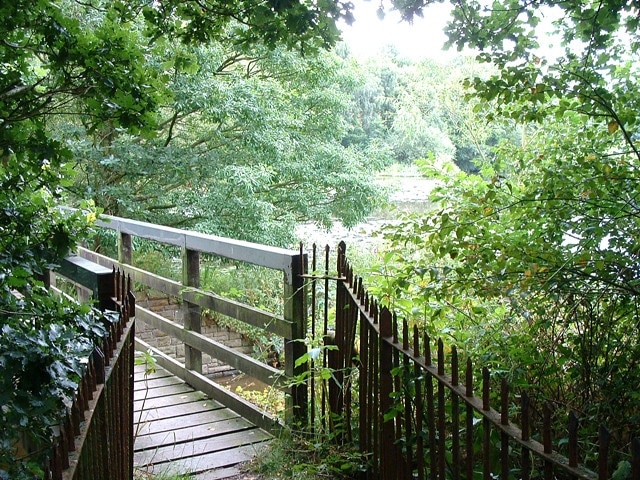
295	456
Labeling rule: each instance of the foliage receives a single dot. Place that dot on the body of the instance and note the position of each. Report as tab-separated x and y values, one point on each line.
43	339
268	399
531	263
44	345
248	146
404	110
89	61
293	456
258	287
144	474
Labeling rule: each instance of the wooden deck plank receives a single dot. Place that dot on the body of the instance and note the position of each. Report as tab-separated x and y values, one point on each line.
218	474
193	433
156	382
141	373
213	461
187	421
200	447
180	430
158	402
169	411
162	391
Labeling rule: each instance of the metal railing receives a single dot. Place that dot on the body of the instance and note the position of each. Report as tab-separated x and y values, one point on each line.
94	440
413	416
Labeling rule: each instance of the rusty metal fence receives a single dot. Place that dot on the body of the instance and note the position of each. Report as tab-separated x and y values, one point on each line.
94	440
415	416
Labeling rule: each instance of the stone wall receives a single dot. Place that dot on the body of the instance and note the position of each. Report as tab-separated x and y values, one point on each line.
169	308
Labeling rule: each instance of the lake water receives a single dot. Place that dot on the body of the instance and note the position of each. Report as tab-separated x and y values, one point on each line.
408	194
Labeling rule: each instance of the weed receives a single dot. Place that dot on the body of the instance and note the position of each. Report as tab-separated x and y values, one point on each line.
296	457
144	474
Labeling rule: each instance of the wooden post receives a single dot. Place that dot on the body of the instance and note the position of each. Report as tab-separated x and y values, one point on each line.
191	312
296	409
125	248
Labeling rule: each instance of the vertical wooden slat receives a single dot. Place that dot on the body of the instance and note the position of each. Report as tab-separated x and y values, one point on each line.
375	388
131	298
106	350
57	462
351	323
131	363
364	392
116	283
604	438
573	439
547	441
337	356
486	427
296	408
504	438
397	389
442	433
431	414
99	365
635	458
526	434
191	312
125	248
312	412
408	401
116	438
66	440
325	330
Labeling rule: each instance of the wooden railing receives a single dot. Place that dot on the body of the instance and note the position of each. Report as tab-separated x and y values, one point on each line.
291	326
94	441
416	417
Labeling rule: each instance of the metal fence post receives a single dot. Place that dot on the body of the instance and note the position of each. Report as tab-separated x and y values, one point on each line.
296	409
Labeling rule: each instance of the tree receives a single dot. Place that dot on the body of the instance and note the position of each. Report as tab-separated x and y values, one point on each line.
90	61
537	252
248	147
419	129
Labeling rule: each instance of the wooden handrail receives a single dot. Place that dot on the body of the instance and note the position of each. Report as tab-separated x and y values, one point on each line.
291	326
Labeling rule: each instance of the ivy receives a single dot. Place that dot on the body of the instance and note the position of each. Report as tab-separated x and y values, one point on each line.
44	346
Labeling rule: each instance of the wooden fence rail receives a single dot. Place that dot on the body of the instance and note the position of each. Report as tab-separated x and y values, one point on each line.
422	417
94	441
291	325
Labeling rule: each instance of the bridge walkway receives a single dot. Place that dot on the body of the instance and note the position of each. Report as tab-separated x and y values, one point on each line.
179	430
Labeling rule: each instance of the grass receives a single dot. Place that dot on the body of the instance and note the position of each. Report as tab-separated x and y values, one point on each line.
143	474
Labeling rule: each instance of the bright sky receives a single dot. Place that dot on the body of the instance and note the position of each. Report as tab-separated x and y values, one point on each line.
422	39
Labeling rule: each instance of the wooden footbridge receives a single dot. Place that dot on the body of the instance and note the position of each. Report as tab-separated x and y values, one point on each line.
184	422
